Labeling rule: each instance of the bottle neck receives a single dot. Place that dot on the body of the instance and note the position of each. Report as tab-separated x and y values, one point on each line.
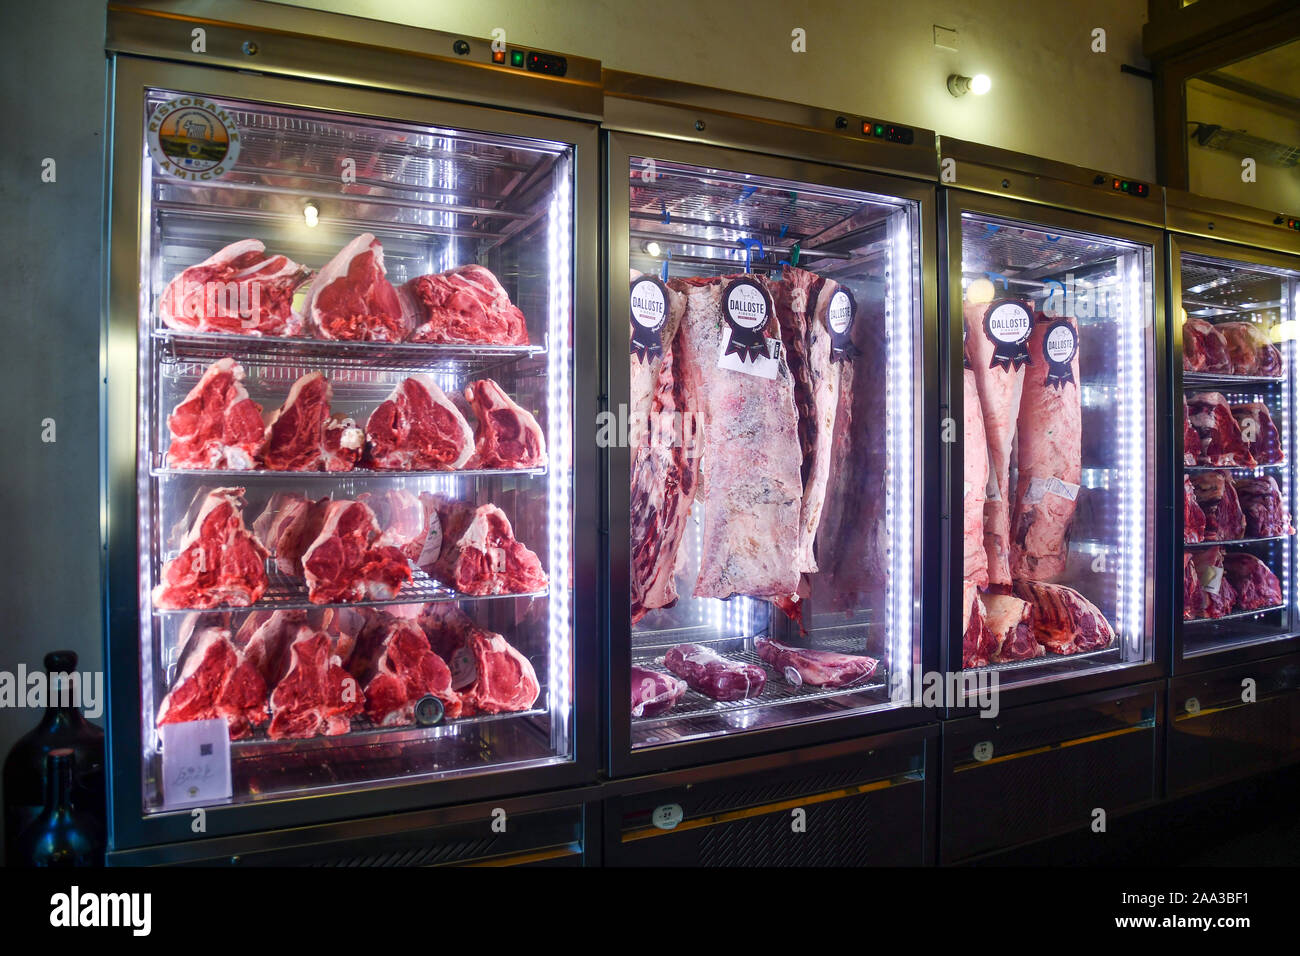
58	780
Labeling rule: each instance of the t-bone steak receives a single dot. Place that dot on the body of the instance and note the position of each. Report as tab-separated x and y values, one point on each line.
464	306
352	299
215	680
479	553
418	428
1221	441
1204	348
1260	500
220	561
303	436
239	290
506	435
1217	496
316	697
397	668
344	564
217	426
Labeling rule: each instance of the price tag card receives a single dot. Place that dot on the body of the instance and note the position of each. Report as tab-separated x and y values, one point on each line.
195	763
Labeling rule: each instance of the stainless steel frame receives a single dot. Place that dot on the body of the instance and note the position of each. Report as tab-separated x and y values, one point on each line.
131	76
995	182
715	129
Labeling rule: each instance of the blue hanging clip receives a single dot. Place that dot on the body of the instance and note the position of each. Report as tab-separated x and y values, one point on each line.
749	250
995	276
991	228
664	208
663	270
746	193
784	227
1052	238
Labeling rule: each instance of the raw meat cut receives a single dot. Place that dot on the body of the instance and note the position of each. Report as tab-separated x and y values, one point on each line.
802	665
218	425
220	561
975	474
490	675
802	302
1193	599
1191	440
417	428
1256	586
402	520
464	306
215	680
1204	348
287	528
978	642
1008	620
1215	595
352	299
749	484
264	638
446	626
663	474
301	435
505	436
1063	620
1249	349
316	696
1049	434
1259	433
479	553
654	693
1221	442
238	290
1217	496
1261	503
713	675
397	668
1193	516
345	564
1000	390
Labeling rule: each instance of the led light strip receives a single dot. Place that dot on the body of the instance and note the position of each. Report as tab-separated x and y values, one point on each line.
559	422
899	445
1131	435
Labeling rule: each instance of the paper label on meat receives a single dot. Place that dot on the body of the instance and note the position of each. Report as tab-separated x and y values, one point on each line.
1211	578
649	312
1060	345
764	366
1041	487
1008	323
839	316
965	488
464	670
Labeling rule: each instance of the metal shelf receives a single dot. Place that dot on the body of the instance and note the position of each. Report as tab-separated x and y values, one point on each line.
1235	541
1196	468
1235	615
1227	378
263	473
1051	657
289	593
176	346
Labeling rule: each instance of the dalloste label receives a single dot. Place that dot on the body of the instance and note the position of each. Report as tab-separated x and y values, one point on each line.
1007	323
193	138
1060	345
839	316
649	312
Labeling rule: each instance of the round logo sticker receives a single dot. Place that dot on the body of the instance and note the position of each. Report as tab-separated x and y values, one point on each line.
746	305
649	304
193	138
1009	322
1059	344
840	313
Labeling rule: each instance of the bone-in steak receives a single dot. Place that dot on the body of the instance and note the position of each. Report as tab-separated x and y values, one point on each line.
479	553
239	290
417	428
351	297
218	425
344	564
466	305
316	697
220	561
397	668
215	680
506	435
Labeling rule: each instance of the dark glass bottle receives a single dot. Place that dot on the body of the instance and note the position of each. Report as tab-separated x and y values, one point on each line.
61	835
24	769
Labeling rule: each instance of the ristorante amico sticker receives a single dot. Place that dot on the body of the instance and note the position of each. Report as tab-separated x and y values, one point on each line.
193	138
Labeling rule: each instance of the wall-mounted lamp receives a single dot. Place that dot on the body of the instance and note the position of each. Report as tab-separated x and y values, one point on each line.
311	214
959	85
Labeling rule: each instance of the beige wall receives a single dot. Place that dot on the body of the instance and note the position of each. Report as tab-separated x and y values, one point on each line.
1052	96
1217	173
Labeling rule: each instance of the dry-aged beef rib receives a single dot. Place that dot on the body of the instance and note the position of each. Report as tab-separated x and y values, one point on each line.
1261	503
713	675
397	668
1193	599
1049	435
1193	516
977	642
1256	586
287	528
479	553
466	305
344	563
1249	349
1221	442
417	428
316	697
1063	620
802	665
217	426
750	485
239	290
1217	496
505	436
351	297
654	693
1259	432
220	561
1215	595
1008	619
1204	348
975	475
302	435
215	680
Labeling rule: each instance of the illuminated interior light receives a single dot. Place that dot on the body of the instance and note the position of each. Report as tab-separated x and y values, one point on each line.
980	84
981	290
1285	331
311	215
959	85
651	248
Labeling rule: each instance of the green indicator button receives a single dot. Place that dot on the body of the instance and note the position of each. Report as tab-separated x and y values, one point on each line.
516	57
879	130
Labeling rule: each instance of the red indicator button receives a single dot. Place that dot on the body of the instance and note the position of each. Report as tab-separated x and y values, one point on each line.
498	56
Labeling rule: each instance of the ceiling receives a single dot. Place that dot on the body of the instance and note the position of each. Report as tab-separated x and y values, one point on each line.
1277	70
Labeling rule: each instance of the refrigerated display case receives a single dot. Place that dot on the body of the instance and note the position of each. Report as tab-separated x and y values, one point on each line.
347	363
768	361
1235	283
1055	305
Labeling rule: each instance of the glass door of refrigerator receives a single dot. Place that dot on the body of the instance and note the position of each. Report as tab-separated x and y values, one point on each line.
426	273
771	429
1058	501
1238	324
